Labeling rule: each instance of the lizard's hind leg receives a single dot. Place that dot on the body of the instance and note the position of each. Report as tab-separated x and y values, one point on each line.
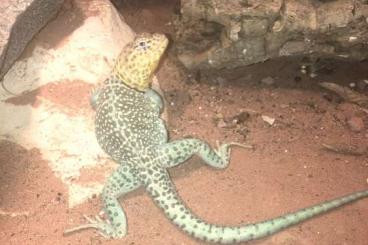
178	151
121	182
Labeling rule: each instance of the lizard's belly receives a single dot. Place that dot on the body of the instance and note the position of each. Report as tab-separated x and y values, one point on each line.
124	129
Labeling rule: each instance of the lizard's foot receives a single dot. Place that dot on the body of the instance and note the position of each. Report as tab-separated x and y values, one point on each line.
224	150
103	227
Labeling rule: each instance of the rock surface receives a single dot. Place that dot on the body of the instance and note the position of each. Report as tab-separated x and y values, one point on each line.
221	34
51	111
19	22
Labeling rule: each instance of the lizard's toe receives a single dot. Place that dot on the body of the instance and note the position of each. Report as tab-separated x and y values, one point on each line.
103	227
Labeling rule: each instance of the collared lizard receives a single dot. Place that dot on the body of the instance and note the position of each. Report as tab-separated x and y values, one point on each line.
129	129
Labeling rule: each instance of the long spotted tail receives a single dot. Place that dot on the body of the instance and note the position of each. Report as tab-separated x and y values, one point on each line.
160	187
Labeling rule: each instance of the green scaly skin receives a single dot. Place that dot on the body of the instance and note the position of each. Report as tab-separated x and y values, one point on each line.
129	129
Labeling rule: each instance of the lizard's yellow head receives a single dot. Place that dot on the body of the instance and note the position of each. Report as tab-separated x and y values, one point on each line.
139	59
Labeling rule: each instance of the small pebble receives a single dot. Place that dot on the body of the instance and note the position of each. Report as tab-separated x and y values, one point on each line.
221	81
268	119
268	81
362	85
240	118
221	123
356	124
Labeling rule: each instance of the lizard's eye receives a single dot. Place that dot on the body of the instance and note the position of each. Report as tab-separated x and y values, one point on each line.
143	45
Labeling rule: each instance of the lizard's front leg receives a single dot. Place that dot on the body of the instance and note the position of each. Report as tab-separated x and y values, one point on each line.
155	97
121	182
93	97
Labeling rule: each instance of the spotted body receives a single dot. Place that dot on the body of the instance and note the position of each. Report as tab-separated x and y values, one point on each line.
129	129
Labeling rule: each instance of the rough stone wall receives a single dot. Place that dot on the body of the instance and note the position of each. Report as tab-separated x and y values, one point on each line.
220	33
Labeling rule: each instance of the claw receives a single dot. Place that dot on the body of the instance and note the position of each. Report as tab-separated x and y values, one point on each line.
218	145
241	145
90	220
80	227
96	223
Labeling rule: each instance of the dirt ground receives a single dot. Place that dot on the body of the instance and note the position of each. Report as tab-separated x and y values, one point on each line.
288	168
